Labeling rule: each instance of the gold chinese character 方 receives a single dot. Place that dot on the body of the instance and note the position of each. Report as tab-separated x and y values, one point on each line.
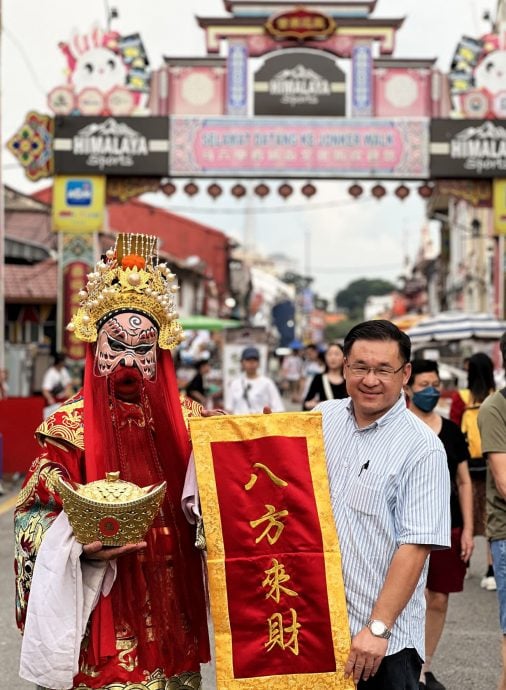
275	576
276	480
277	633
272	518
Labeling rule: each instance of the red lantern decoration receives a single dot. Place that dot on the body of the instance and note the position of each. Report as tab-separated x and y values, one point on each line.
169	188
191	188
261	190
402	192
355	190
308	190
238	190
214	190
425	191
285	190
378	191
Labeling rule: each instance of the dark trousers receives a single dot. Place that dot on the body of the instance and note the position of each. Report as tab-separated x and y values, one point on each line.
399	671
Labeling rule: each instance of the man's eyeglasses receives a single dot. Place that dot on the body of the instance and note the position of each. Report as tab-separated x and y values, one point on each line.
382	373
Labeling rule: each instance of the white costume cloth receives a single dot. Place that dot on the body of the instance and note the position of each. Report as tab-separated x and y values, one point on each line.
247	396
64	592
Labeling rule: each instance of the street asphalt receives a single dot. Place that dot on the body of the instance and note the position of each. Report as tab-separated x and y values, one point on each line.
468	657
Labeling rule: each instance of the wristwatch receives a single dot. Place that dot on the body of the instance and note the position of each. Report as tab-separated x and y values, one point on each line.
378	628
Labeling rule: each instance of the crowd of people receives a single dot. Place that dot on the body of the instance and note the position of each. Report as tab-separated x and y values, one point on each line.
407	491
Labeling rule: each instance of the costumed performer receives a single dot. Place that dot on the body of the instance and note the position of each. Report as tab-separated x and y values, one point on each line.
150	631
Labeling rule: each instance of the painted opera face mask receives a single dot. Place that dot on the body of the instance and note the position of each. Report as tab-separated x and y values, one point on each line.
127	340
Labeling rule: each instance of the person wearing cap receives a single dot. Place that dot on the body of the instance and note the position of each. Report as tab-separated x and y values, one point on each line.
250	392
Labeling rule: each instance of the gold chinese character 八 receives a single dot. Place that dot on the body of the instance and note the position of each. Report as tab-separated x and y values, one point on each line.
273	523
274	579
277	633
252	481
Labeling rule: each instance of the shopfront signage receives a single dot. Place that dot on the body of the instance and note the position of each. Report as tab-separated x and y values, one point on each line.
468	148
300	82
111	146
300	24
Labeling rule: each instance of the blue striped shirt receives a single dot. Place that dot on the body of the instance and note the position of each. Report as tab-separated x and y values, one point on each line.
389	485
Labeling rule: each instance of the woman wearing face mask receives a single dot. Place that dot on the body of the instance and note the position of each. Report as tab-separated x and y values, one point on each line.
447	568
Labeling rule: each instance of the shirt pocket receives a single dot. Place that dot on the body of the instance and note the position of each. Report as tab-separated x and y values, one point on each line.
367	496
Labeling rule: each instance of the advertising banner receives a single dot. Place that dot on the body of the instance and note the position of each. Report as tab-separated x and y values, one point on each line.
78	203
111	145
499	193
276	588
468	148
300	82
299	147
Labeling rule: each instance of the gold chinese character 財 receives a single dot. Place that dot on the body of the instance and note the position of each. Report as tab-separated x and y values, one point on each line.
259	465
275	577
278	632
273	523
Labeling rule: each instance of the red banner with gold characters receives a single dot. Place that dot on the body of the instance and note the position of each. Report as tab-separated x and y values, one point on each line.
276	588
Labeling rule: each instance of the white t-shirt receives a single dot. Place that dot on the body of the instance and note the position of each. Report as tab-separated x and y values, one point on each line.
56	377
246	396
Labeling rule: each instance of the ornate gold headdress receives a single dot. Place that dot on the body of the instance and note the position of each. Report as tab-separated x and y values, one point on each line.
130	279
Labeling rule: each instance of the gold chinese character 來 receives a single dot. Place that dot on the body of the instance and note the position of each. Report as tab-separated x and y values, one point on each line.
274	579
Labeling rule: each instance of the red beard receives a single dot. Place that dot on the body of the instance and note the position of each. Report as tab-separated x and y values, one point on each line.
126	383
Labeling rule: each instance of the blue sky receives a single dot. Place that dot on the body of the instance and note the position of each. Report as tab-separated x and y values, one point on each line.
337	239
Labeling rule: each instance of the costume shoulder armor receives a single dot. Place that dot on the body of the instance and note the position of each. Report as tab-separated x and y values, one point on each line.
189	408
65	424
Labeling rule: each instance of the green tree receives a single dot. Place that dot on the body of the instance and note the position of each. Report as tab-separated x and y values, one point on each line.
354	297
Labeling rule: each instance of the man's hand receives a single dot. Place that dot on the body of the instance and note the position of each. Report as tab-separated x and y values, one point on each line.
212	413
366	654
95	551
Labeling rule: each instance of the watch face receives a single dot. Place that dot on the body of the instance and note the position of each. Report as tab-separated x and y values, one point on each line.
378	628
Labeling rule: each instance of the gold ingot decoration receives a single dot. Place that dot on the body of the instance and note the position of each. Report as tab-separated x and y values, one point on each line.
110	510
129	278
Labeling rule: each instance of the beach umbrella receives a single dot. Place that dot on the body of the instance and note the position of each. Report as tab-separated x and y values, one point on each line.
453	325
199	322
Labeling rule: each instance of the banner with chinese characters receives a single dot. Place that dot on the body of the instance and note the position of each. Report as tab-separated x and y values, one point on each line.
277	595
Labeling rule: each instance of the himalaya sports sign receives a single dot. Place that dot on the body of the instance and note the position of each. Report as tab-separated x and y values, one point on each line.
111	145
468	148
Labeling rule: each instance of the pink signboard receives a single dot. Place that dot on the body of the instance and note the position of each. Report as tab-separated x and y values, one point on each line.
281	147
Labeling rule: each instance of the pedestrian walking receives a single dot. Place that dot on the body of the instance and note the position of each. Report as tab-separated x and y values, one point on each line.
492	425
464	412
447	568
251	391
329	385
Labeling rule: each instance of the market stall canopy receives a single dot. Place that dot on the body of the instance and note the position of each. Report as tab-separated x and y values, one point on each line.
207	323
449	325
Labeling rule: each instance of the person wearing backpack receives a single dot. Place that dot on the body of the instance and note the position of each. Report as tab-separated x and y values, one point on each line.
464	410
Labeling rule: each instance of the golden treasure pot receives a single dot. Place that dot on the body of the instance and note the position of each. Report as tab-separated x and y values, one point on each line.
110	510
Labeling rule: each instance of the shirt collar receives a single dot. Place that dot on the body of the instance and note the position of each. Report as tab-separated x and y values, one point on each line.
387	418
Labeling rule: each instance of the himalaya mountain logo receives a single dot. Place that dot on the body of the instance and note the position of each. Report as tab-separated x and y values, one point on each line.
482	148
109	143
299	85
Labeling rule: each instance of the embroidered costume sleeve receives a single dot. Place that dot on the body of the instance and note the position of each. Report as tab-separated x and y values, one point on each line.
37	506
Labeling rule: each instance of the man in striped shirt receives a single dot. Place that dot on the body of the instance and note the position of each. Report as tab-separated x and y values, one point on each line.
390	493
